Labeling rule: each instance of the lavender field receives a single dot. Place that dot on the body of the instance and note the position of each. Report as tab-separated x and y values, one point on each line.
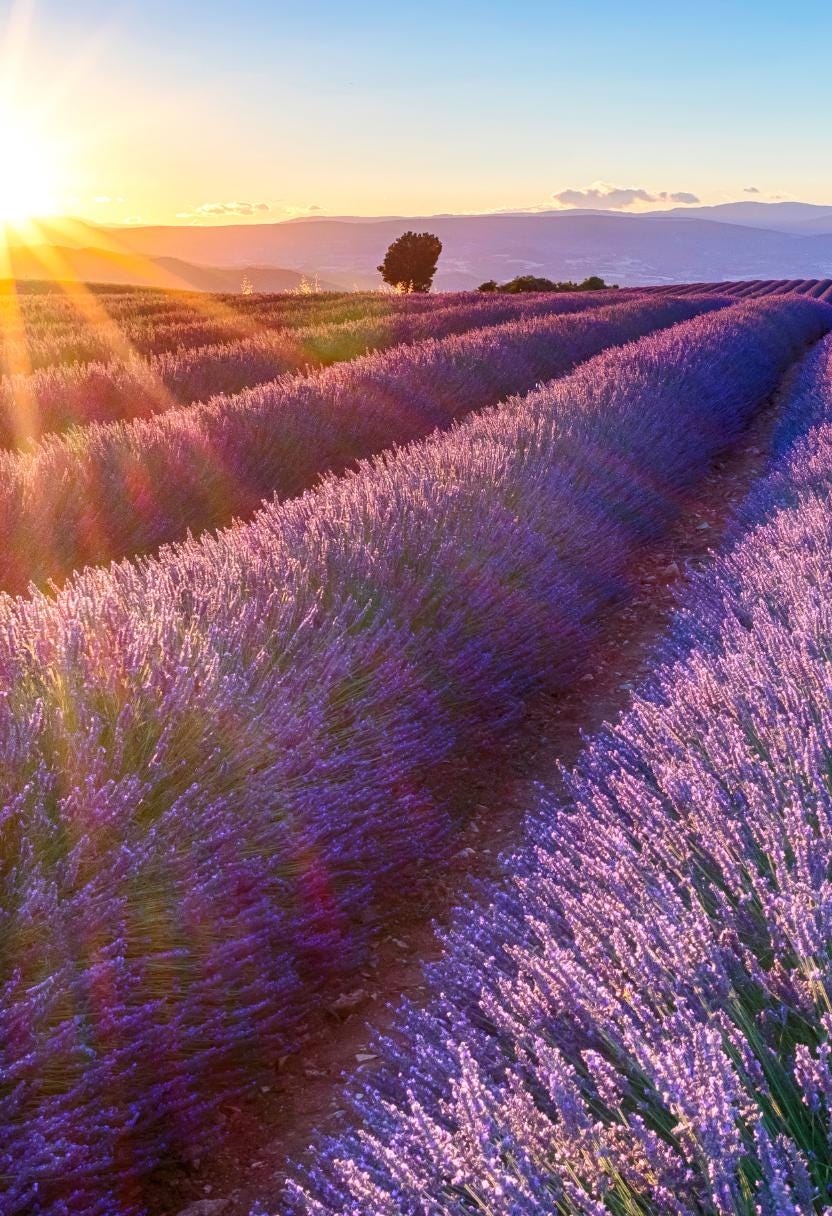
638	1018
277	572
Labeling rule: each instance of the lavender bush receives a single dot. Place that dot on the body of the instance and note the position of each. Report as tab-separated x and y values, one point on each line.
109	491
638	1019
212	763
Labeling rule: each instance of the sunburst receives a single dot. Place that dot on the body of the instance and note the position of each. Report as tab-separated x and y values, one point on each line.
29	164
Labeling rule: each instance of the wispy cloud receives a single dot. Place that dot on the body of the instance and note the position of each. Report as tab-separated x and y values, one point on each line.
211	211
296	209
606	197
751	190
207	210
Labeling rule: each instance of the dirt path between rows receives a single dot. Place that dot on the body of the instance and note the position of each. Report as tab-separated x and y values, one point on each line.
262	1137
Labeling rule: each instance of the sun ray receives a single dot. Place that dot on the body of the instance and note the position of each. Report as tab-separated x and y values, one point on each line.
14	360
59	270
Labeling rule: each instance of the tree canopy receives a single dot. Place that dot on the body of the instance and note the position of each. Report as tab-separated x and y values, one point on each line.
410	262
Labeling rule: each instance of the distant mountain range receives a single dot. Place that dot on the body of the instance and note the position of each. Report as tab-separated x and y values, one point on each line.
743	240
804	219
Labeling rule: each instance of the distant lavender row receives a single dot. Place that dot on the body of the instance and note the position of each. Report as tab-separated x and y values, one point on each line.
212	764
818	289
106	492
74	394
42	335
638	1018
52	329
36	333
59	305
318	307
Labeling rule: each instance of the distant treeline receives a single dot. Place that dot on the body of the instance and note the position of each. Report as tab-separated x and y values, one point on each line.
530	282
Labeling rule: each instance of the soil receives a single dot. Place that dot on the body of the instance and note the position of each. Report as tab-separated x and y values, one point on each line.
265	1135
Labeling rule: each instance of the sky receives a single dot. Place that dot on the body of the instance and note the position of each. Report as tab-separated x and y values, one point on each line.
172	111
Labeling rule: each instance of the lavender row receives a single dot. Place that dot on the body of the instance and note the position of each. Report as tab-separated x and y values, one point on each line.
38	339
818	289
76	394
34	339
106	492
638	1018
62	305
212	764
41	331
73	305
36	333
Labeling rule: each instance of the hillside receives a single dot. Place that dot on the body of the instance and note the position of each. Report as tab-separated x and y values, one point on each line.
98	265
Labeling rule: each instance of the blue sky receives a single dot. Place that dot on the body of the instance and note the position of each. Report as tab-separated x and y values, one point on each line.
170	110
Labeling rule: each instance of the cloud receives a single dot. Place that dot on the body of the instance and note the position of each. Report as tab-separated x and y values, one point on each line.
231	208
751	190
605	197
210	211
295	209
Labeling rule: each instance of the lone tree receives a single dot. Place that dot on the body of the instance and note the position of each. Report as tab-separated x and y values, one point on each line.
410	262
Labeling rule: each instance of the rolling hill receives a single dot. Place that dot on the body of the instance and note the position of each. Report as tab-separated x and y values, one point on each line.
103	265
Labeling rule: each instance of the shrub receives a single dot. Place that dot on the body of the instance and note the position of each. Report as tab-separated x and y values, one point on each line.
530	282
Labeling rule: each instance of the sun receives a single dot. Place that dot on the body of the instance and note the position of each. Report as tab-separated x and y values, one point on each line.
28	171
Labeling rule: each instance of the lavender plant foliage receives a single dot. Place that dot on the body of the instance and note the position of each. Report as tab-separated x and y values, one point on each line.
104	492
638	1018
212	763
